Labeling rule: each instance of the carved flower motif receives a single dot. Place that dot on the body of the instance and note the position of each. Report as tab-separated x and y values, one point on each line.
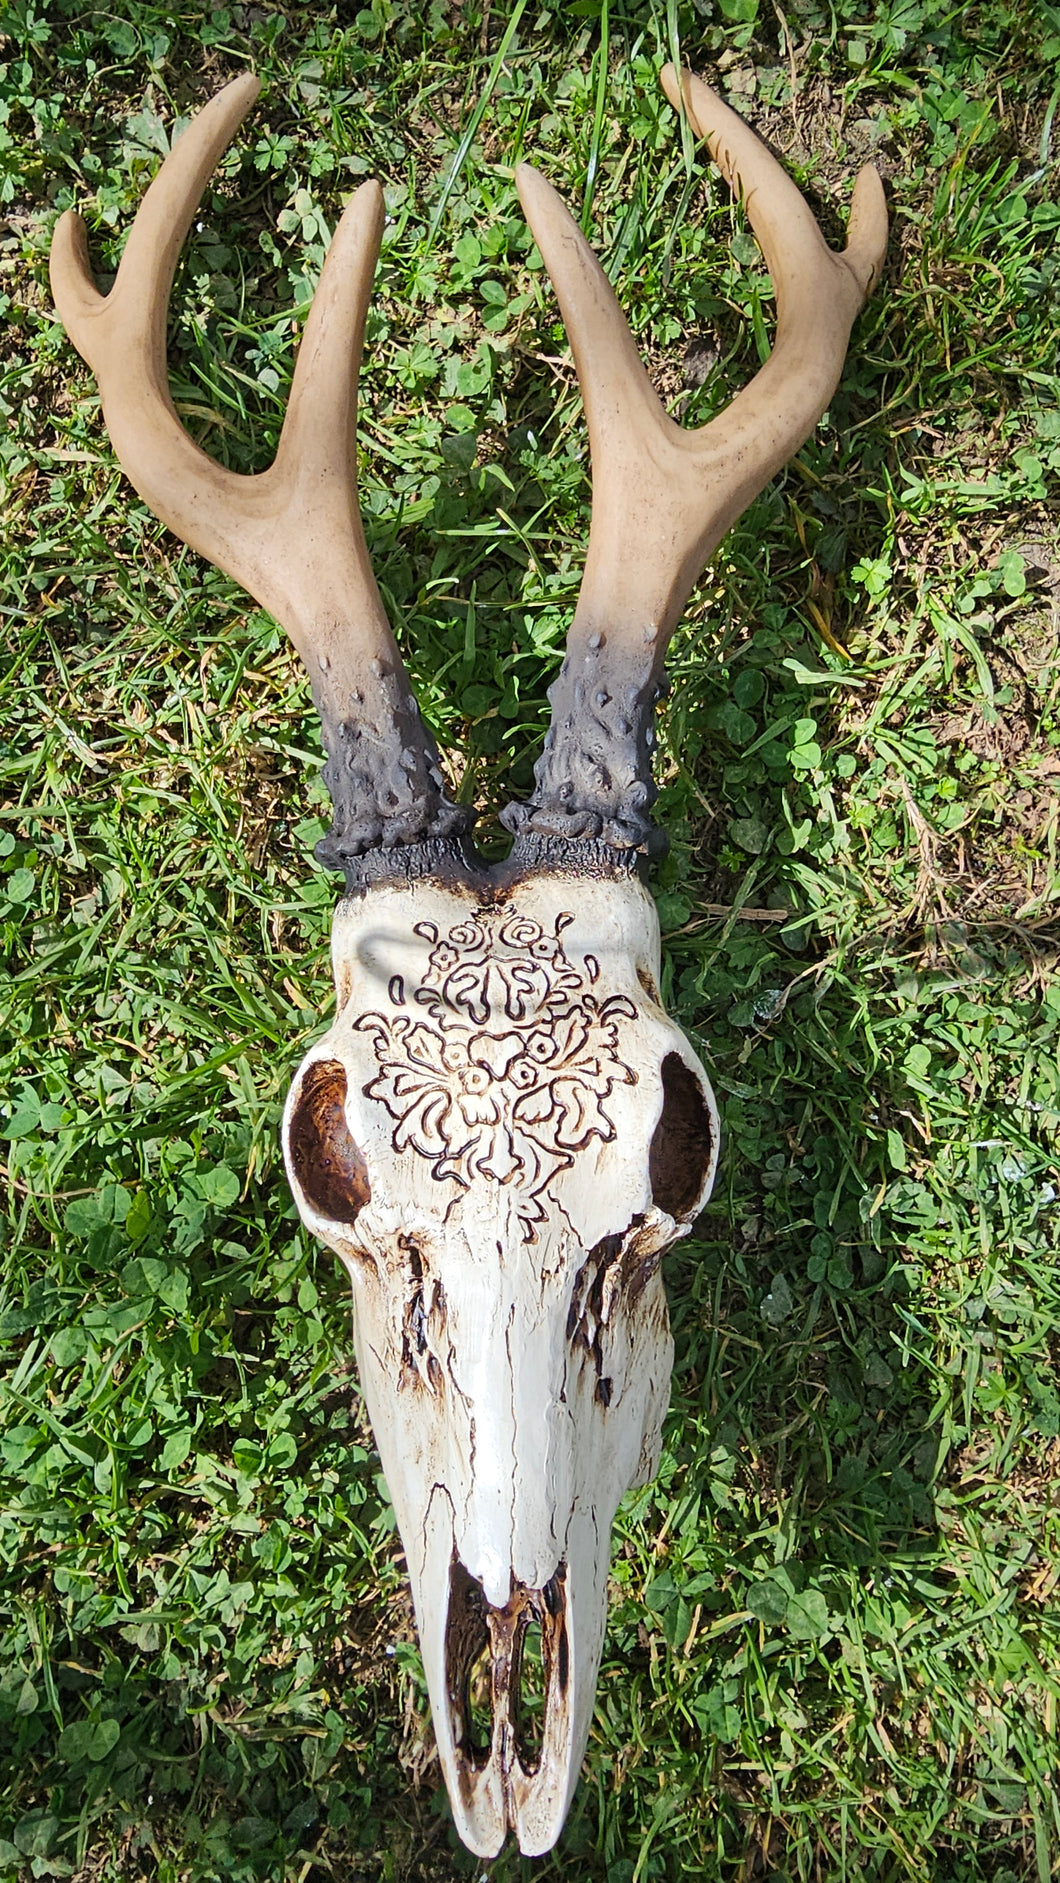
508	1077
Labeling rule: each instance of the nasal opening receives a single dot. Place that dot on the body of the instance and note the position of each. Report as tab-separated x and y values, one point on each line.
468	1666
507	1673
477	1700
529	1694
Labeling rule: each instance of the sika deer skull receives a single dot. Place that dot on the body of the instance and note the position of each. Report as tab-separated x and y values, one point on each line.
501	1132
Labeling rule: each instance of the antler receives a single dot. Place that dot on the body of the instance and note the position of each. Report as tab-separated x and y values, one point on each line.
663	498
292	535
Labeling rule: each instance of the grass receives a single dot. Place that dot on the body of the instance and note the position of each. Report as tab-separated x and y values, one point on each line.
834	1631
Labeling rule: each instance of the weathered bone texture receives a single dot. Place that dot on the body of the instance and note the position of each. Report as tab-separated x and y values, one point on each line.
461	1138
501	1132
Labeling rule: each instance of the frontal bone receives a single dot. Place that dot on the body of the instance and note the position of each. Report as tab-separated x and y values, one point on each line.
501	1131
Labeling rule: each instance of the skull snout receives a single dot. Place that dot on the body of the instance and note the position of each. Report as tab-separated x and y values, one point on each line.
507	1670
511	1683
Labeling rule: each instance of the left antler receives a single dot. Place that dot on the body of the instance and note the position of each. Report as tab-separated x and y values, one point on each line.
292	535
663	497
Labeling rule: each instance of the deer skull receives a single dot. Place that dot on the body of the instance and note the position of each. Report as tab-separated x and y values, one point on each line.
501	1132
499	1136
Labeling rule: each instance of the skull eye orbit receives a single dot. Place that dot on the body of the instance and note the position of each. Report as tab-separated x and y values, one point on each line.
682	1143
328	1164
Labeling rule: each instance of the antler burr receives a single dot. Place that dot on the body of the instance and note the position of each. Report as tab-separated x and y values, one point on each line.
501	1131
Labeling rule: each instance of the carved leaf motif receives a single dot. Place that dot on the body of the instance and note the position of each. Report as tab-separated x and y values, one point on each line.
509	1077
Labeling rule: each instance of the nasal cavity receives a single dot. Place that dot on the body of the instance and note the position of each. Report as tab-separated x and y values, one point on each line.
530	1694
328	1164
683	1141
469	1665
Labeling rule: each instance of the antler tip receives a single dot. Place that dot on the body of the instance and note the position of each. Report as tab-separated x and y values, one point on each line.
69	239
748	167
700	102
529	181
366	207
867	228
246	85
216	124
545	211
670	82
73	289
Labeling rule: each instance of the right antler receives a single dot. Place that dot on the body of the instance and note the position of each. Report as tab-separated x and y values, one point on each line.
663	497
291	535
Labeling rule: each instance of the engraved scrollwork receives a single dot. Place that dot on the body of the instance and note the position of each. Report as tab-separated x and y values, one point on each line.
500	1062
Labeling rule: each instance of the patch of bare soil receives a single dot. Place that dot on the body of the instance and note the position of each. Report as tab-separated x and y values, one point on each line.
815	132
1007	866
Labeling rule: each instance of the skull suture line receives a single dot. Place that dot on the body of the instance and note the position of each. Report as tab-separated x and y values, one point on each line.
502	1131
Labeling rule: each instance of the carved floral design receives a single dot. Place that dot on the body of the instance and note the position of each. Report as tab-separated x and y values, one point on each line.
500	1063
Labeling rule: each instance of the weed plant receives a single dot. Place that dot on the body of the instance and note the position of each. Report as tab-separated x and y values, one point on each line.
833	1643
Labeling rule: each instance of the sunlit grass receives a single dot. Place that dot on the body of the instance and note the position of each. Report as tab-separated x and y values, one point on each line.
834	1627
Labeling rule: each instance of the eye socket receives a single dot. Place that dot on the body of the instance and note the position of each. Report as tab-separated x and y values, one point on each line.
328	1164
682	1143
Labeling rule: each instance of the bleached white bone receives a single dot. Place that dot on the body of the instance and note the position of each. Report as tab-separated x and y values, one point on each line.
466	1137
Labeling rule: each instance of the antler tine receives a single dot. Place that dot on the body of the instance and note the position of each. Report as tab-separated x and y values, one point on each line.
291	535
663	497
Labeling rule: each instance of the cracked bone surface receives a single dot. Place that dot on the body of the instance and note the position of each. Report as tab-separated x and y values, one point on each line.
501	1132
467	1138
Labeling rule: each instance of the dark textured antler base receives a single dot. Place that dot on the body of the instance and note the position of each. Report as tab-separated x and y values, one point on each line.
594	777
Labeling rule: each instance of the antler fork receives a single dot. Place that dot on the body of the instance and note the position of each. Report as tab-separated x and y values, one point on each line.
292	535
664	497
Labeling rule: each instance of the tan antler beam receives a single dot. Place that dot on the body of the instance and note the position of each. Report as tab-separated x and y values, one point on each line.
292	535
663	497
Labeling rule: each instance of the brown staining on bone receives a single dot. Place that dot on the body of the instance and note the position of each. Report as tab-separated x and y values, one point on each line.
507	1670
682	1143
556	1636
640	1259
616	1268
535	1622
590	1306
343	986
423	1322
326	1160
648	986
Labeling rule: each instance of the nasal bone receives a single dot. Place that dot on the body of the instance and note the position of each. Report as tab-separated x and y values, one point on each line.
517	1510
